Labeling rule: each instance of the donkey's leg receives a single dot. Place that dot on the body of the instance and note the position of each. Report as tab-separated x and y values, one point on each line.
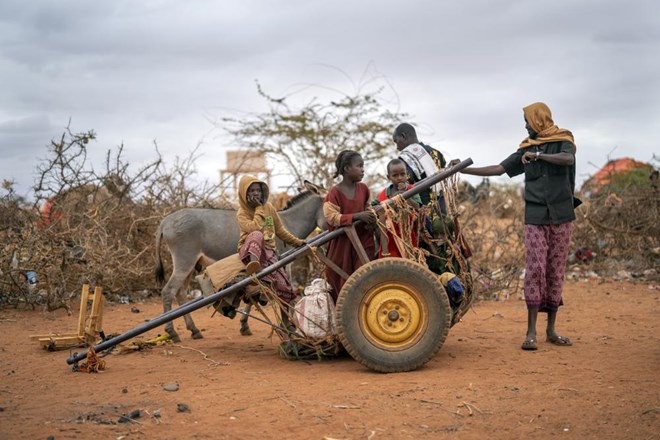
184	259
171	289
182	299
245	327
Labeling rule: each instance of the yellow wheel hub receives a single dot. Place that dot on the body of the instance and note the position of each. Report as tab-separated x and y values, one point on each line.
392	316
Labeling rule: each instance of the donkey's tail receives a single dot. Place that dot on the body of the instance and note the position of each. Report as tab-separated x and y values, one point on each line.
159	272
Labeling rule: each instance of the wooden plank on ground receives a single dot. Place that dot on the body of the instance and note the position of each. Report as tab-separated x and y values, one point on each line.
51	335
83	309
60	342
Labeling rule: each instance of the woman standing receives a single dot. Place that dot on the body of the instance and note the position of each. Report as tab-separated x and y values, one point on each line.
547	158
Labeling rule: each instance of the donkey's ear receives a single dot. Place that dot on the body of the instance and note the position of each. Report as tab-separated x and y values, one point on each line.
317	189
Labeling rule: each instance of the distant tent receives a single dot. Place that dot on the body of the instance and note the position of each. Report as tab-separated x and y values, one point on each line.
617	166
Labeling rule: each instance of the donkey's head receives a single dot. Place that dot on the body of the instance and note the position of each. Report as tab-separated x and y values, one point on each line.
320	192
304	212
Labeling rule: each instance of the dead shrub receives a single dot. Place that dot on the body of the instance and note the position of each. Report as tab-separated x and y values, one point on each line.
493	226
87	226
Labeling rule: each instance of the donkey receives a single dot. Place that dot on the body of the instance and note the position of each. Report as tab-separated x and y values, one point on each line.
203	236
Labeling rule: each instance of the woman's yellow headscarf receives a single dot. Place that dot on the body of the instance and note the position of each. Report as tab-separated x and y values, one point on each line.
539	117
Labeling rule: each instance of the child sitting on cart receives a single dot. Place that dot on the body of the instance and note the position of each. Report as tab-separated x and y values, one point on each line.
260	224
398	176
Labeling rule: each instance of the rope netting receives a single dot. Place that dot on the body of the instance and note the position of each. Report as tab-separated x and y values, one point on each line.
442	247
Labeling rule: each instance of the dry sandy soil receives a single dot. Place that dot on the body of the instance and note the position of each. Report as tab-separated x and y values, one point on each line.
479	385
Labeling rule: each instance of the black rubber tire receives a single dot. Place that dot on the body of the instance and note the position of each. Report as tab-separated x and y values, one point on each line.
362	313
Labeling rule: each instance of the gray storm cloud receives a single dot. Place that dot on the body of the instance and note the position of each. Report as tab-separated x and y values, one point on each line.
142	71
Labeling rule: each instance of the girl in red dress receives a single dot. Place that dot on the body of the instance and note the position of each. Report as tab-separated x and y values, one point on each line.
346	203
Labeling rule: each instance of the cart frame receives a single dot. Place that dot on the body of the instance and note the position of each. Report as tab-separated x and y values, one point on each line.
285	259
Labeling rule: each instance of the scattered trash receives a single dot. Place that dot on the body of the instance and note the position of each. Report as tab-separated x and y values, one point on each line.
32	278
623	275
572	276
650	273
501	295
135	414
135	310
158	340
76	252
182	407
591	274
123	299
584	254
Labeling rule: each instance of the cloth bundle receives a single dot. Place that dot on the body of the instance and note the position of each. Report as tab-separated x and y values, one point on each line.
314	313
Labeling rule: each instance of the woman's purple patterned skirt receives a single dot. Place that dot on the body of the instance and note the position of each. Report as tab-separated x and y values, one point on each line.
546	249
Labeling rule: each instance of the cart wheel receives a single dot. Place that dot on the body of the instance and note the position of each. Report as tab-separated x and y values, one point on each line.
393	315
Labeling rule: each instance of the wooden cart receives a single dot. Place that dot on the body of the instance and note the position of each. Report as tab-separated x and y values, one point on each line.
392	314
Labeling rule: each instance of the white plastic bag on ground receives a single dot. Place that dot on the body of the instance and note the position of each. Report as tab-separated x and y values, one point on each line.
315	311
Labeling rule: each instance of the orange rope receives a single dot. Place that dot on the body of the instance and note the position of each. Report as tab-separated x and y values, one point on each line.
93	363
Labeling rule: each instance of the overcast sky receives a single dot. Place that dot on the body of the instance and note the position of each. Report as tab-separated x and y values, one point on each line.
139	71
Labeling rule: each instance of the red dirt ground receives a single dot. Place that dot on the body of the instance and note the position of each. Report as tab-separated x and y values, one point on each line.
479	385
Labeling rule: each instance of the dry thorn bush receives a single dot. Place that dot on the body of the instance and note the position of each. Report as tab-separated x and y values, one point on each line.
493	226
88	226
622	227
620	224
97	226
